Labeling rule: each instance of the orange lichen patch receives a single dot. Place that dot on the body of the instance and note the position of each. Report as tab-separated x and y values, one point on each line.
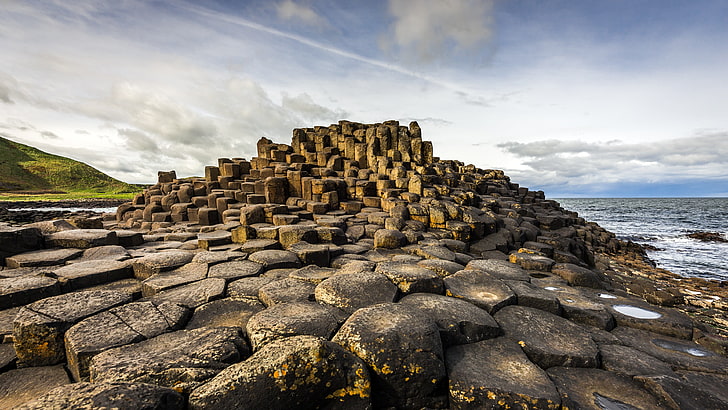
522	343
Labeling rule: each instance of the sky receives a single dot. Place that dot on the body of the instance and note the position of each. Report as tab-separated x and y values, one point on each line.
617	98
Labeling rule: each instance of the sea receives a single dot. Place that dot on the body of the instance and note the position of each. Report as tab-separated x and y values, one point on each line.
664	223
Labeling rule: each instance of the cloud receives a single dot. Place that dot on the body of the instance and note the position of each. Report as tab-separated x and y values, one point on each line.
49	135
291	11
558	162
305	107
430	30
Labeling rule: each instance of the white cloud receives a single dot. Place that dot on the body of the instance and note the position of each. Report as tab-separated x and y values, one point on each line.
291	11
431	29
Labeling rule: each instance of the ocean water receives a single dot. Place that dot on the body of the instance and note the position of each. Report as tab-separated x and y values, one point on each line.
665	223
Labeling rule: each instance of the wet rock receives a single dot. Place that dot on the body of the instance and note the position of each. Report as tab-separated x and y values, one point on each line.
389	239
500	269
119	326
640	315
480	289
535	297
681	354
411	278
352	291
81	275
631	362
38	329
291	319
287	290
497	374
225	313
154	263
21	385
688	390
598	389
275	259
192	295
44	257
81	238
459	322
403	352
548	340
22	290
234	270
181	359
298	372
122	396
577	276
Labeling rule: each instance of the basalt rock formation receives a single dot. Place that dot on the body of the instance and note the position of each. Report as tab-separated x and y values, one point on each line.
349	269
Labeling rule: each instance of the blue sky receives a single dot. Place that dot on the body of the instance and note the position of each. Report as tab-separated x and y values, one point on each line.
577	98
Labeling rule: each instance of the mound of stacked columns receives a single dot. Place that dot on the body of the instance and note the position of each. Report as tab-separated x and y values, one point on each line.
339	169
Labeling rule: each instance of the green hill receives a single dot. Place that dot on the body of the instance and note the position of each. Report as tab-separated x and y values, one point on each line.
27	169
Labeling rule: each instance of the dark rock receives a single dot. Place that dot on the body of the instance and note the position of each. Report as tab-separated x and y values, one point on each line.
459	322
21	385
192	295
44	257
38	329
181	359
547	339
389	239
577	276
81	275
480	289
500	269
688	390
287	290
631	362
436	252
119	326
257	245
26	289
497	374
598	389
708	236
301	372
81	238
14	240
640	315
291	319
225	313
532	262
411	278
580	308
7	357
121	396
355	290
312	254
535	297
403	352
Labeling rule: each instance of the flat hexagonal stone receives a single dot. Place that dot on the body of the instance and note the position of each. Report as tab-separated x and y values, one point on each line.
193	294
578	307
535	297
191	272
442	267
599	389
84	274
209	240
632	312
122	396
247	288
108	252
480	289
256	245
291	373
235	270
459	322
435	252
548	340
312	273
275	259
212	258
44	257
225	312
286	291
81	238
403	351
352	291
577	276
631	362
38	329
157	262
411	278
389	239
532	262
500	269
22	290
496	373
291	319
18	386
181	359
688	390
681	354
119	326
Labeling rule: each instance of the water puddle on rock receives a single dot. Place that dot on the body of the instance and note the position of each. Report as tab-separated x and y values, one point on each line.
553	288
636	312
607	403
607	296
693	351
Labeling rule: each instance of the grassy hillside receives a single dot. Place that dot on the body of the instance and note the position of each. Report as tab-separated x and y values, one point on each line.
26	169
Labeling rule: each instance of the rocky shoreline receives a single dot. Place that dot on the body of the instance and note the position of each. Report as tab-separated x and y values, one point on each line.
349	269
24	212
